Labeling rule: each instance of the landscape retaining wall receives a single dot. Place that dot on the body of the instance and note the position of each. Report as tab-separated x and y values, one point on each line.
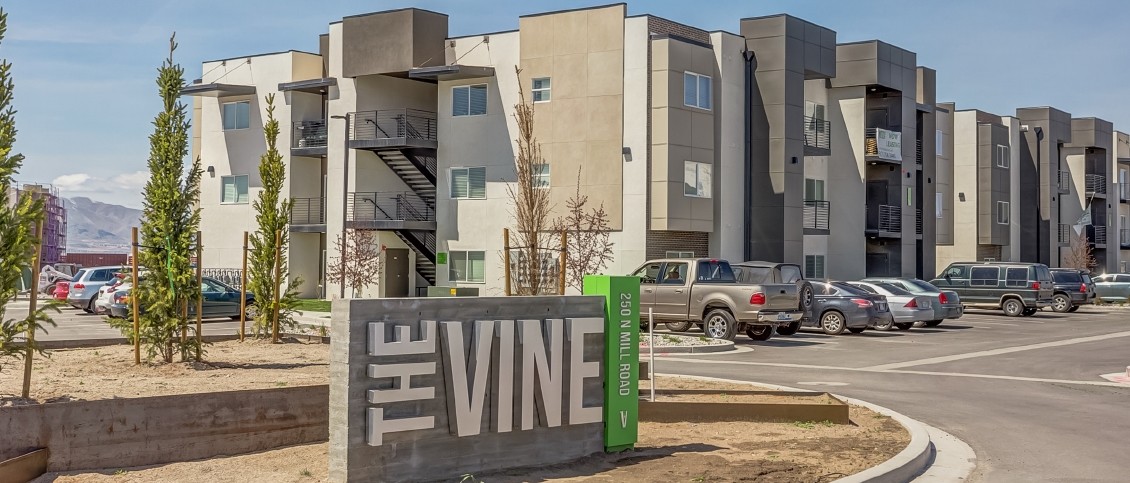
117	433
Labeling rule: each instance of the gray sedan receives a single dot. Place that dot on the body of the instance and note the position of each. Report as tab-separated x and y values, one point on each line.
946	303
1113	287
837	306
906	307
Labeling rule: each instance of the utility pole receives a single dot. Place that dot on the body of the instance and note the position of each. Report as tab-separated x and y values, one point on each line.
30	344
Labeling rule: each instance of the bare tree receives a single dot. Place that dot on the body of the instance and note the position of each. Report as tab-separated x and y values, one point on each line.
1081	254
531	203
361	261
588	247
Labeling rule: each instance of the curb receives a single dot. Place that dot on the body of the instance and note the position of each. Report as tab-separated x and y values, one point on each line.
912	461
85	343
694	349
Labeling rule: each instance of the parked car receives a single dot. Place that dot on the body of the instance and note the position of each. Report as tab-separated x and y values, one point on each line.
1113	287
106	294
946	303
220	300
682	292
838	306
1072	288
62	287
85	284
906	308
777	273
1014	287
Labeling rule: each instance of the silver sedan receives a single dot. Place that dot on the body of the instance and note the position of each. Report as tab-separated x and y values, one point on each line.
906	307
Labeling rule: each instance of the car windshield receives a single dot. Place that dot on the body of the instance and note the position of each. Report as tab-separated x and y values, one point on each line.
1066	277
918	286
893	289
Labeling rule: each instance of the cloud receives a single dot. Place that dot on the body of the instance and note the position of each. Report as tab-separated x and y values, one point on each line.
120	189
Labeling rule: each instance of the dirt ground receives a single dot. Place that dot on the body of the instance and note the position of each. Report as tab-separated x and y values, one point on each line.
109	372
801	451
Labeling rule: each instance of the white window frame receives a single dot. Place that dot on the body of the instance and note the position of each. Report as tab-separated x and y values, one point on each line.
541	175
224	117
939	205
1003	208
453	255
812	195
246	185
939	142
678	254
546	90
469	87
1002	156
819	266
451	173
708	191
700	99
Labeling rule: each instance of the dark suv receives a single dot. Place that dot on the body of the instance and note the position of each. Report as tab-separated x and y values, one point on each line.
1015	288
1073	287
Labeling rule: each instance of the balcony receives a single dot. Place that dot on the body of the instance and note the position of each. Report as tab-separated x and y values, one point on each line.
1063	181
1064	235
308	138
402	210
881	145
308	215
815	217
918	222
1095	184
884	221
817	137
918	154
1098	235
393	128
1124	238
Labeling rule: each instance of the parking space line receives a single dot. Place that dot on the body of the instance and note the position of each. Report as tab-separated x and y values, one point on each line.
995	352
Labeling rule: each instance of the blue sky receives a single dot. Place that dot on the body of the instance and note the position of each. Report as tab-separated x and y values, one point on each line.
84	72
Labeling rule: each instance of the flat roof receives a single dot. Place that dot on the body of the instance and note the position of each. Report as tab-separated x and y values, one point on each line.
261	55
217	90
313	86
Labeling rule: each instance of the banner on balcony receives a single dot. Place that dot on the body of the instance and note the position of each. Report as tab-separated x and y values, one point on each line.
889	144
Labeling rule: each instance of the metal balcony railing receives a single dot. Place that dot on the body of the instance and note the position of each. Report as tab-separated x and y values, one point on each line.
1063	181
1064	235
817	133
1124	238
816	215
918	221
394	124
1098	235
308	134
308	211
888	219
393	206
918	152
1095	184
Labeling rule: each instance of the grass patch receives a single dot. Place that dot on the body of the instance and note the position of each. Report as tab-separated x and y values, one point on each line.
313	305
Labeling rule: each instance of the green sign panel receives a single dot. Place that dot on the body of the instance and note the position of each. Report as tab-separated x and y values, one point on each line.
441	258
621	357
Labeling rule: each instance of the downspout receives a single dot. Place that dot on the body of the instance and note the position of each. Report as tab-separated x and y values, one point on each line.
749	57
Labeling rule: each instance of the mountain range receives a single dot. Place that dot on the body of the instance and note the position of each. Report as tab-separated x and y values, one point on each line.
93	226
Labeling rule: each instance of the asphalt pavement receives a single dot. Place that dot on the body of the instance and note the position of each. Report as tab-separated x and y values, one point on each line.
75	325
1026	393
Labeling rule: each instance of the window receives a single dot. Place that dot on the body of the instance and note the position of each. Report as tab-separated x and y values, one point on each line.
466	266
814	266
697	179
469	183
101	276
234	189
955	271
752	274
815	115
984	276
939	205
939	143
789	273
714	271
675	274
1002	156
541	175
1002	212
865	288
697	90
677	254
469	100
1067	277
648	273
541	89
1016	277
208	286
813	189
237	115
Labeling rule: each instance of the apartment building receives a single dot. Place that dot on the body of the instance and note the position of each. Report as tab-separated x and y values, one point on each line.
53	244
1122	186
773	143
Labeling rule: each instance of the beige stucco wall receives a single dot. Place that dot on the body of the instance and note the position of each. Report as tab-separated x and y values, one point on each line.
816	167
728	239
845	188
964	184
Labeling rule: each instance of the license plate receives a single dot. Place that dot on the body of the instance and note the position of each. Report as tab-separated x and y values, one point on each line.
784	316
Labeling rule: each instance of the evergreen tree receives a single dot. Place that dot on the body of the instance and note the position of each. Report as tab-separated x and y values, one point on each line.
169	222
18	218
273	215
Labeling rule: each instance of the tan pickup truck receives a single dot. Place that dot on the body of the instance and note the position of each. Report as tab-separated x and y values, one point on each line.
705	292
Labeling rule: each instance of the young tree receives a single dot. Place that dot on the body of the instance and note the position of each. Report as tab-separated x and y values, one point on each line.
1081	255
361	263
273	215
169	222
531	204
588	247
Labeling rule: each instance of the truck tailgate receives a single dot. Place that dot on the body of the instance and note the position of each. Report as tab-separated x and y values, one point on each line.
780	296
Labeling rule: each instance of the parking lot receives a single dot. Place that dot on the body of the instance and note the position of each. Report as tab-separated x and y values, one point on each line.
74	324
1027	393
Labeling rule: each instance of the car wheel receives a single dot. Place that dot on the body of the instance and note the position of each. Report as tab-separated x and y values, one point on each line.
90	306
856	330
832	322
1029	312
933	323
759	332
885	325
904	326
678	326
1061	303
720	325
788	329
250	311
1012	307
1073	308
